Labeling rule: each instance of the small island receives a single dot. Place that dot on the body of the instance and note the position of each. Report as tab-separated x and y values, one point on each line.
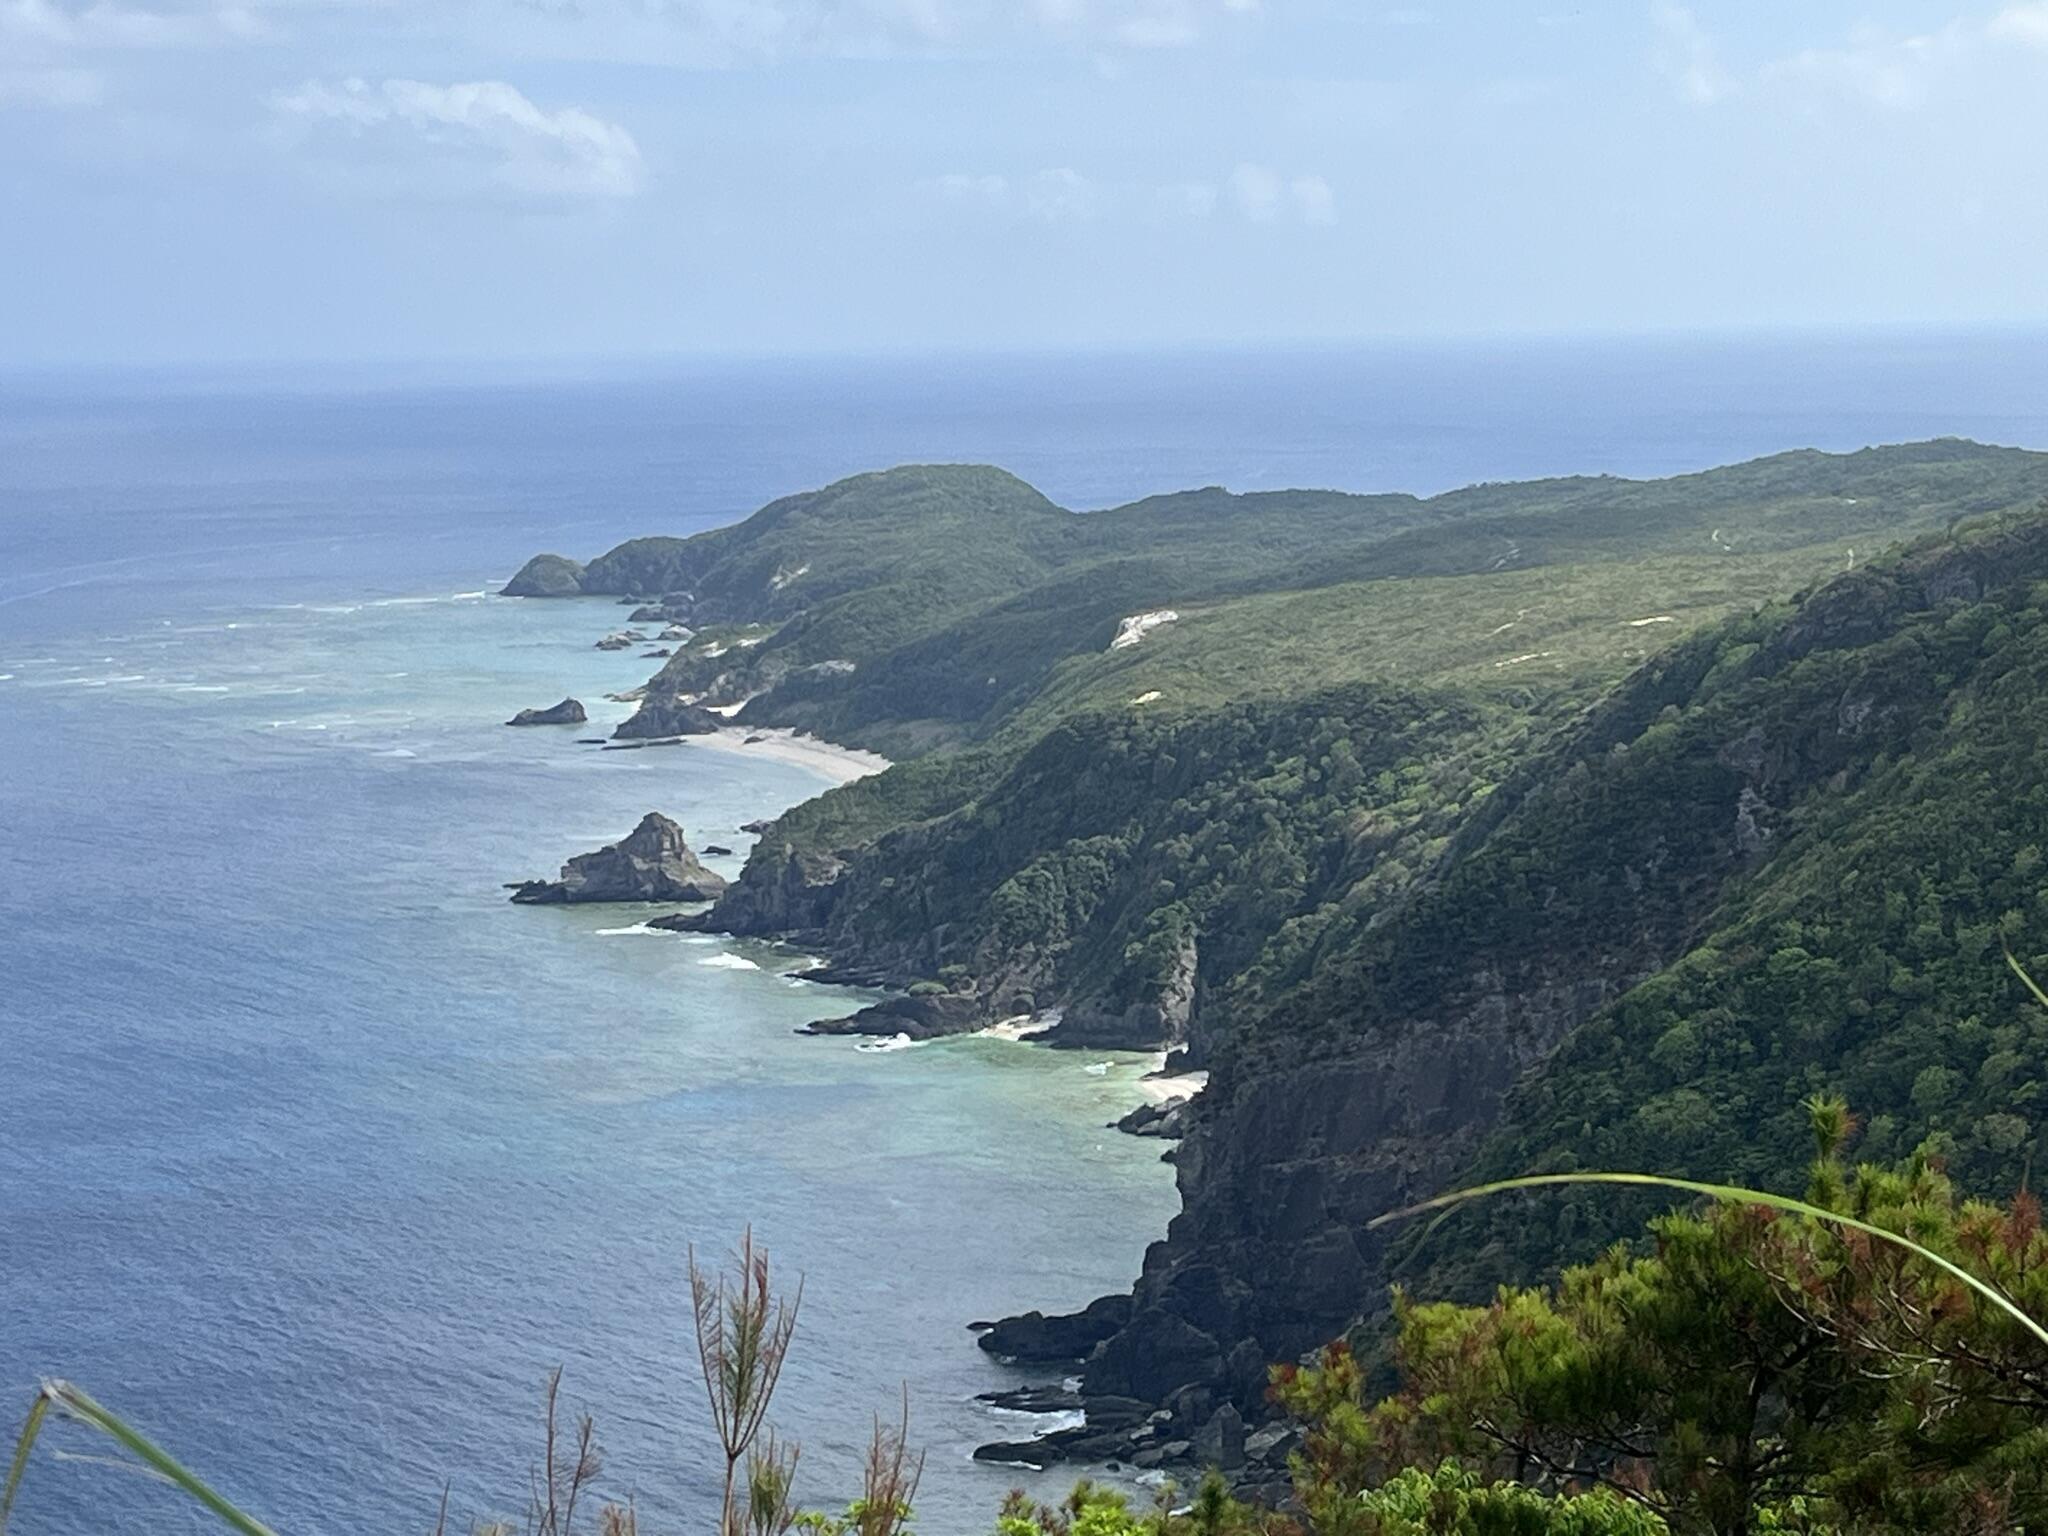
652	863
568	712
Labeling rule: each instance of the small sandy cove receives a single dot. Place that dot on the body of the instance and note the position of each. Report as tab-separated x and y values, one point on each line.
842	765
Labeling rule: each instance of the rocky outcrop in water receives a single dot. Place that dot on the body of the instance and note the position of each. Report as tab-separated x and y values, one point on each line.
927	1017
568	712
1061	1339
653	863
546	576
675	608
658	717
1166	1121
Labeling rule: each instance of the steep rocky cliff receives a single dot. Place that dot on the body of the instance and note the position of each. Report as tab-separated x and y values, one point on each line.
1671	843
1125	869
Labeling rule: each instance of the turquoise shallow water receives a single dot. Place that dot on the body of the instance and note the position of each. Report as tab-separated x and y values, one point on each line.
315	1153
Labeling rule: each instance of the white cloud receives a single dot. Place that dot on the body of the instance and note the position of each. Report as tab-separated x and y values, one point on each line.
103	24
50	88
719	33
2026	23
478	138
1687	56
1896	73
740	32
1266	196
1166	23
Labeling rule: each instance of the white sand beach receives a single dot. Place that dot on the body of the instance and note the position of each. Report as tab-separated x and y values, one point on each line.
840	764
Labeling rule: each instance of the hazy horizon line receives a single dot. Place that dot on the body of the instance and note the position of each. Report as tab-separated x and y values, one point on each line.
479	369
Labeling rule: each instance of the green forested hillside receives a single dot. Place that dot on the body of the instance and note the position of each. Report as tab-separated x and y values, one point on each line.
928	607
1898	787
1587	822
1781	860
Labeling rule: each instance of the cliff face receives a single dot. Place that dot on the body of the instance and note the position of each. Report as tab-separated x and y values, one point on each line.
1123	871
1508	1014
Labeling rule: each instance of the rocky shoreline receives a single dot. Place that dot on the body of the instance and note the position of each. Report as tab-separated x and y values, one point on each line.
791	905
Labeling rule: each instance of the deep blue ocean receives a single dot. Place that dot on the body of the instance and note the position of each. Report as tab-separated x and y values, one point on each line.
316	1155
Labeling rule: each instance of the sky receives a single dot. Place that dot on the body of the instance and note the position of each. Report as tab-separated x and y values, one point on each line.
283	180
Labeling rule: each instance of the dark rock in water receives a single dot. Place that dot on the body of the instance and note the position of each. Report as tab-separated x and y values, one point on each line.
1017	1453
750	742
667	717
850	973
568	712
683	922
674	608
1085	1443
1155	1353
756	828
718	848
589	741
1168	1121
616	643
652	864
1116	1413
1035	1339
921	1018
546	576
657	654
1053	1398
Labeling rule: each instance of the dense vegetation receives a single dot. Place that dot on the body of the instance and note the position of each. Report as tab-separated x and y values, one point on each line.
1531	826
930	606
1875	757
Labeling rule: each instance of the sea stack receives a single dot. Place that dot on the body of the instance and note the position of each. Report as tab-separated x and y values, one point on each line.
568	712
652	864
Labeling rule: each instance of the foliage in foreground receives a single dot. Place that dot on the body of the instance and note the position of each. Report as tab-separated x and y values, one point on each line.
1866	1363
1760	1369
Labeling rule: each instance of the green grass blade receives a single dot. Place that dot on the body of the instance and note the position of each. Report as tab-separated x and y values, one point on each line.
1731	1194
74	1403
22	1447
2033	986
